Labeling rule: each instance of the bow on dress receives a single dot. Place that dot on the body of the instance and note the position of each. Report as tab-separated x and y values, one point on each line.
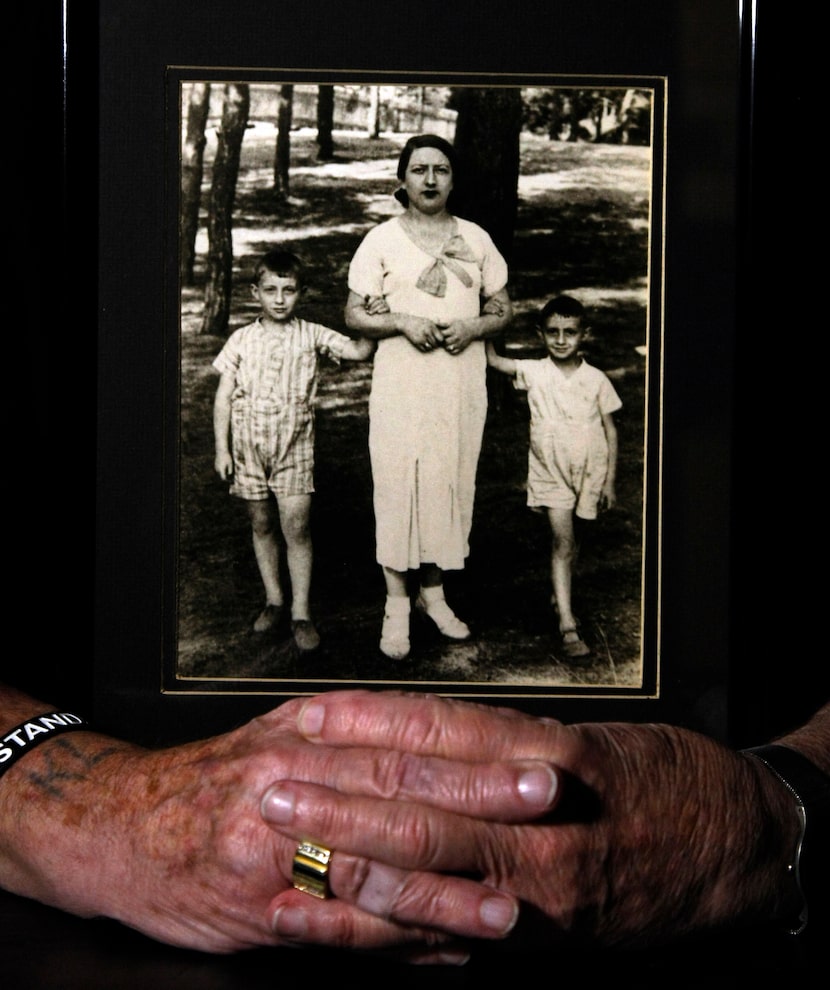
433	279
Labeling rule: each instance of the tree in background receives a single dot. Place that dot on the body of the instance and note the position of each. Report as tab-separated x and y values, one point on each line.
373	119
597	115
193	150
487	132
235	107
325	122
282	152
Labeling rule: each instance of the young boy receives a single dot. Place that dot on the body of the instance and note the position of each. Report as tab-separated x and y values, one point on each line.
572	461
264	407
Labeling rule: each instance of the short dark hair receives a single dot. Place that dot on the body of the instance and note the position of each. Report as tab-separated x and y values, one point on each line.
280	262
562	306
424	141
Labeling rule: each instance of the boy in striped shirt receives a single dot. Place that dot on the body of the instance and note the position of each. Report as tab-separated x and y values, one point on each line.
263	421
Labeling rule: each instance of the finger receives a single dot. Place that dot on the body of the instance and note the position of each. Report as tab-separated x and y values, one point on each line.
433	725
451	904
399	833
295	919
506	791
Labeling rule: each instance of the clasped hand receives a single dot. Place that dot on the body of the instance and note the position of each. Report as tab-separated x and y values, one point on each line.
450	823
576	823
425	334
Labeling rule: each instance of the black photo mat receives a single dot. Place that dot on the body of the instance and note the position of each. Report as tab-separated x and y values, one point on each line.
147	58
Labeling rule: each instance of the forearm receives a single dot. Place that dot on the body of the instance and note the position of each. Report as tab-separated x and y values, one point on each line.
57	804
505	365
495	316
221	426
16	707
374	326
612	442
358	350
812	739
611	472
486	326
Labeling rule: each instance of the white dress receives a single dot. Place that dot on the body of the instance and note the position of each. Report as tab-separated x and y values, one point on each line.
426	410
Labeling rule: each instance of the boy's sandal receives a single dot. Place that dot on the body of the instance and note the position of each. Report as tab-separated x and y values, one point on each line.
269	618
573	645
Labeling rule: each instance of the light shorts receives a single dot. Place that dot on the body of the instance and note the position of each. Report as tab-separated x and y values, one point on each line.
273	451
555	481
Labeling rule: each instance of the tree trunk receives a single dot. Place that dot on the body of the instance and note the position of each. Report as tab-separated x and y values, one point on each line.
325	122
193	151
487	132
220	213
282	154
373	123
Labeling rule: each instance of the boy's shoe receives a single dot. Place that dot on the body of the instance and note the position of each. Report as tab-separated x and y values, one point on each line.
305	635
573	645
394	636
442	615
269	618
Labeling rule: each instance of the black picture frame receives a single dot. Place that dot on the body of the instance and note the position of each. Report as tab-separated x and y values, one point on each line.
697	48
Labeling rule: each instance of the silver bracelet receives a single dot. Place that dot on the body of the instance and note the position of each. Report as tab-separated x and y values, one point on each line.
811	789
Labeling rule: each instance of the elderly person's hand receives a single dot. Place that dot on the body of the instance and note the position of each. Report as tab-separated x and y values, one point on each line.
658	831
172	842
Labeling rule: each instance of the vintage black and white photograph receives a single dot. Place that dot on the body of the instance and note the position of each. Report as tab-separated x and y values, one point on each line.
417	383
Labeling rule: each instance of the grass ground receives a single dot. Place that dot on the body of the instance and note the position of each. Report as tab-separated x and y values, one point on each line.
582	227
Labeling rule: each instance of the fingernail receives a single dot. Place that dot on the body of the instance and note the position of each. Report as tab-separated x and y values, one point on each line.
277	806
499	913
380	889
310	720
290	922
453	958
538	786
443	957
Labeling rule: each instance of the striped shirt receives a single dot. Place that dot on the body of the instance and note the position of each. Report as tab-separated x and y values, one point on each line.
272	403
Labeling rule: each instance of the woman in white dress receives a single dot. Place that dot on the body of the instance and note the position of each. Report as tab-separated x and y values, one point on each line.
430	287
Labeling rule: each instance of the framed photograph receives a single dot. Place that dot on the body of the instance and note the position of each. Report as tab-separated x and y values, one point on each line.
601	171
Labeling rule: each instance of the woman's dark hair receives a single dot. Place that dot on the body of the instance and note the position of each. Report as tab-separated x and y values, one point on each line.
424	141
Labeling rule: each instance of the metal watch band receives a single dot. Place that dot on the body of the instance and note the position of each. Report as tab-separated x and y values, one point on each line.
810	787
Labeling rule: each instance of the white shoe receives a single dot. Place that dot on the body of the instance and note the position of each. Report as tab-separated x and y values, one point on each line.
394	636
442	615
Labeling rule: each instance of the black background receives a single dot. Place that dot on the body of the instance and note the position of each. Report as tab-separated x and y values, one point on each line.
82	547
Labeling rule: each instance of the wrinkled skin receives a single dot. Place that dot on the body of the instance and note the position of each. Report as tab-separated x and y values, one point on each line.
658	831
172	842
644	834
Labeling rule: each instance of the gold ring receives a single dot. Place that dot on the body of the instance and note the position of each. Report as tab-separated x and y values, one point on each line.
310	869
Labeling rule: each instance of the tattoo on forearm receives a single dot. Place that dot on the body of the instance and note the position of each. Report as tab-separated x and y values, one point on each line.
66	762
